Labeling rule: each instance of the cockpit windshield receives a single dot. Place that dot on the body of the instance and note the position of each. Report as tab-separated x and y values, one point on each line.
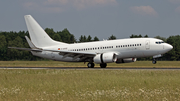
160	42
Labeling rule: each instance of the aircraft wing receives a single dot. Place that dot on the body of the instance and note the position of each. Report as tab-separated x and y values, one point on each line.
82	55
70	52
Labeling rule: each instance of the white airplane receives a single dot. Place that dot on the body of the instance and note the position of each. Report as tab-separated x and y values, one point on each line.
100	52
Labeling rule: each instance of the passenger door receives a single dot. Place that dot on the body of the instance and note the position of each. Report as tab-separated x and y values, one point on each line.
147	44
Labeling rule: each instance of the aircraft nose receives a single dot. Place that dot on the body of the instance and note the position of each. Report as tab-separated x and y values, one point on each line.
168	47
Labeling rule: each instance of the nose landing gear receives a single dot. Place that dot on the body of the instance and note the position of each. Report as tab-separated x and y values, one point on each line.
156	56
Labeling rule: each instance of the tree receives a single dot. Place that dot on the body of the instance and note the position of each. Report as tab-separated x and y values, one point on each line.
162	38
146	36
3	47
81	39
57	37
67	37
96	39
112	37
15	54
174	54
136	36
72	39
84	39
89	38
49	31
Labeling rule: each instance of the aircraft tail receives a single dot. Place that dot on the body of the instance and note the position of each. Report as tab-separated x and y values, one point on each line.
38	36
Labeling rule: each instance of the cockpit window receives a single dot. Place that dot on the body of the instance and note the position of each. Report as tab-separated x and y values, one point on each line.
159	42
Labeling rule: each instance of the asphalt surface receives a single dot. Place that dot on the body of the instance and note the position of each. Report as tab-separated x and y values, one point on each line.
85	68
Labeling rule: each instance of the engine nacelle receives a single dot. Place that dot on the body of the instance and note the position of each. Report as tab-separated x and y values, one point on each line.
105	58
127	60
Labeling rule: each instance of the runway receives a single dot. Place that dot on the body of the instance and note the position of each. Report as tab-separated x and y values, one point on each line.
96	68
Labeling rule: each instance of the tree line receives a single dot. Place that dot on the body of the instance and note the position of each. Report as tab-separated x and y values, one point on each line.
16	39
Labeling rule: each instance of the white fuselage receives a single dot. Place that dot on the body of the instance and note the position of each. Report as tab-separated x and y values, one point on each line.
124	48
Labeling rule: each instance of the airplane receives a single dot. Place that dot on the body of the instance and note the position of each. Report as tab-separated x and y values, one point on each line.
99	52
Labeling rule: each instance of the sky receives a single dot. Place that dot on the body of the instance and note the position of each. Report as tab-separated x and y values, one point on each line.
101	18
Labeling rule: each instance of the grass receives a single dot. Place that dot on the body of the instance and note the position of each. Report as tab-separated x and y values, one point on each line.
160	64
88	85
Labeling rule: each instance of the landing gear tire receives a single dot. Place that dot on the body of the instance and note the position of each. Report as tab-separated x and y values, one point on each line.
154	61
90	65
103	65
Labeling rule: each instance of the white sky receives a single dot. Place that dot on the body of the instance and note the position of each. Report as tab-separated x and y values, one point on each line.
101	18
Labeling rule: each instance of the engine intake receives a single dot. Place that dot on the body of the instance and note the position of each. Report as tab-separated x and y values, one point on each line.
105	58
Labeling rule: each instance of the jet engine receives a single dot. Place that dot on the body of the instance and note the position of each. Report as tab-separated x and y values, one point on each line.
105	58
127	60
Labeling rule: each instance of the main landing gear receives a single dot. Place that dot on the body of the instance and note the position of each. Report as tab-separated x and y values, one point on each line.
154	61
103	65
91	65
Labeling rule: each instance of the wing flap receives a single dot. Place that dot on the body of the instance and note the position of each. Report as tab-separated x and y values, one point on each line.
72	53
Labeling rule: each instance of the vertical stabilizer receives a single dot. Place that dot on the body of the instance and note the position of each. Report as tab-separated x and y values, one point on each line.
38	36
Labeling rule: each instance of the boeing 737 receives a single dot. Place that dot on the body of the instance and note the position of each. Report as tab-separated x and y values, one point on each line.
99	52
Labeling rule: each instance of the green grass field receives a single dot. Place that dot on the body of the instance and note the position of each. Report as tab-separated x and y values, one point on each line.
160	64
89	85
